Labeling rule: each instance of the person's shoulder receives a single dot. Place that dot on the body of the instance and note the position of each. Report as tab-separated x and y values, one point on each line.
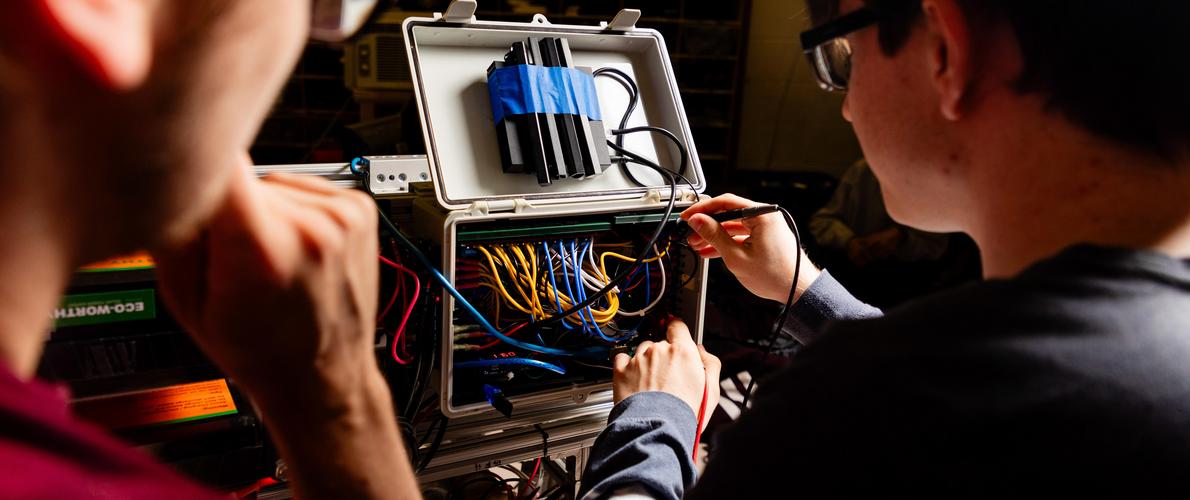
985	384
945	320
1081	295
46	453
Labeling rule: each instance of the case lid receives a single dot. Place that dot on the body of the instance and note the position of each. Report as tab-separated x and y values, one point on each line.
449	62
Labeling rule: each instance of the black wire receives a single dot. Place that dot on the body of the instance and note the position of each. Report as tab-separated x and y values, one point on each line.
490	476
554	491
619	133
429	349
430	432
785	309
545	454
545	440
680	176
693	253
644	253
433	450
410	438
633	98
502	483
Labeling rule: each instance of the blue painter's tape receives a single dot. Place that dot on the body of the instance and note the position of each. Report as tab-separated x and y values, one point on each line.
525	88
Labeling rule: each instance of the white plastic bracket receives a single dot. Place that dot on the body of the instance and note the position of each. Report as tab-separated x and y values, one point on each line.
625	20
394	175
539	18
487	207
460	11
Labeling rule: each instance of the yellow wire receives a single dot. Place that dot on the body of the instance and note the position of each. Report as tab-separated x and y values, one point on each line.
522	268
512	273
603	259
500	283
524	278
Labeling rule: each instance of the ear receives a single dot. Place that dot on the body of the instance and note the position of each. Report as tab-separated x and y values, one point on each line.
111	40
952	54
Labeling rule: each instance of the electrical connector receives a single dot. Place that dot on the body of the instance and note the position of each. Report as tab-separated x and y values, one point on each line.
497	399
465	328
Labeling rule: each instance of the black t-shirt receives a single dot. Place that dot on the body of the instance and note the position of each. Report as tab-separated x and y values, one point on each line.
1071	378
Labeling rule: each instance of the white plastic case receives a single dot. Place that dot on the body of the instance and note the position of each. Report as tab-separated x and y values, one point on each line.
449	56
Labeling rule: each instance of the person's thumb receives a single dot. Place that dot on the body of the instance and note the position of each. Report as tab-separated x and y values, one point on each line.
715	235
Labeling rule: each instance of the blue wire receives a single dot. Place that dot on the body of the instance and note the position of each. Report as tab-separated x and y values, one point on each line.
566	279
632	276
583	258
466	305
554	280
581	290
648	285
485	363
595	326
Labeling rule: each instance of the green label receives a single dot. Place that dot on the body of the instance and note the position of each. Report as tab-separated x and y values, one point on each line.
108	307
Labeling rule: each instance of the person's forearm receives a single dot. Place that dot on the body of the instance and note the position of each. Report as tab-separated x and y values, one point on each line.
647	445
344	443
824	300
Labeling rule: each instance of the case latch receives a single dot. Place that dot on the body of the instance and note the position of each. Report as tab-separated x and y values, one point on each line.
660	196
625	20
459	11
485	207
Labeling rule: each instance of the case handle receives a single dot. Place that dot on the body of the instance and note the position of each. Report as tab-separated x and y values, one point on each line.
460	11
625	20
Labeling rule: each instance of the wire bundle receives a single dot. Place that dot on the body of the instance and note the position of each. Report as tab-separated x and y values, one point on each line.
532	282
398	349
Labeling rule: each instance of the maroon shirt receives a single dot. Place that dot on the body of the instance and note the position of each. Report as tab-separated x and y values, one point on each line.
46	453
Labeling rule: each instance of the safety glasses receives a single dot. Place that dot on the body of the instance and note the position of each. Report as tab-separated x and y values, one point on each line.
829	52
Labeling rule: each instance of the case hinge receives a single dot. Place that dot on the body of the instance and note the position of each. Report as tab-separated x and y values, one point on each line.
625	20
459	11
486	207
661	196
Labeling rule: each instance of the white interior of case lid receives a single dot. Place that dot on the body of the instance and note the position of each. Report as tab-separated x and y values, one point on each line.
452	65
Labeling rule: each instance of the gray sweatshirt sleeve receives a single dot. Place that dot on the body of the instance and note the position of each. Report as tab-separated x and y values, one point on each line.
649	439
648	444
826	300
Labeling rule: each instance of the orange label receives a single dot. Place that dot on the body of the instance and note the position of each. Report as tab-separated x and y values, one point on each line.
167	405
139	260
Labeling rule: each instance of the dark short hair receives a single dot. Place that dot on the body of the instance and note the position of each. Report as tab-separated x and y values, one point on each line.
1118	69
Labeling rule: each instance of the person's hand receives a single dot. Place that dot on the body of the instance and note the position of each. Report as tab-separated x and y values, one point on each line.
280	290
676	365
760	251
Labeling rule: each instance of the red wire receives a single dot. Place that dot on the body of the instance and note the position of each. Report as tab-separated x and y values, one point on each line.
533	476
497	341
392	300
254	488
398	288
702	412
398	336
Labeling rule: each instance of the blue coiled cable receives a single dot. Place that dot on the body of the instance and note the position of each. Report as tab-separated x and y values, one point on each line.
485	363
